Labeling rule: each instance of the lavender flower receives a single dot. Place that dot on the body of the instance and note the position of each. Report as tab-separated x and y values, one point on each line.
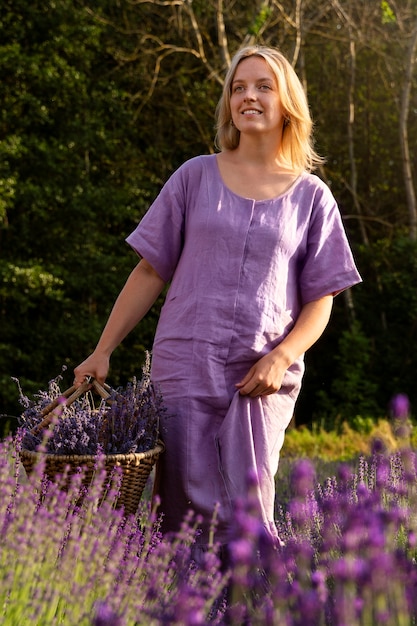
105	616
400	412
128	423
400	406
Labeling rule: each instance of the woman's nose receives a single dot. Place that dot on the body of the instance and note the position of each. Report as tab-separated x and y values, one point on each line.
250	94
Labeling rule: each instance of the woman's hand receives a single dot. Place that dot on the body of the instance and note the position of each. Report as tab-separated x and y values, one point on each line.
96	365
263	378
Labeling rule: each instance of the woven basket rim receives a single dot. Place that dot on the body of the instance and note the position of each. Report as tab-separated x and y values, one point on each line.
80	458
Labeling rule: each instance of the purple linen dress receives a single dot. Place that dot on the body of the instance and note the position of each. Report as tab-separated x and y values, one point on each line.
240	272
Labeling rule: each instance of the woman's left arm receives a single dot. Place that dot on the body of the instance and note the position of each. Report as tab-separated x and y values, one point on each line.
265	377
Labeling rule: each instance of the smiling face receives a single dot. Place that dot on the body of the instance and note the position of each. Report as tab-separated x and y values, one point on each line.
254	100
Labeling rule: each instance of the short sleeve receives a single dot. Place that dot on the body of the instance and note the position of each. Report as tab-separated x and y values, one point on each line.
328	266
159	236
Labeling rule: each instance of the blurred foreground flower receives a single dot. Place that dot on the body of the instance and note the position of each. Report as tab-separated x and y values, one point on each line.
400	413
105	616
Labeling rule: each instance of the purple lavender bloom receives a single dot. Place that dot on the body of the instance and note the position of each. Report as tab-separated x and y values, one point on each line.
318	579
400	407
382	472
400	412
344	474
408	462
303	478
105	616
241	551
378	446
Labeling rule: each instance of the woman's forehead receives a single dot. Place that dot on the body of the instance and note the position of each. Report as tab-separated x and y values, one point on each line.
253	66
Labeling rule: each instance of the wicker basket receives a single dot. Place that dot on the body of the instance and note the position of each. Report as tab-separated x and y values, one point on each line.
135	467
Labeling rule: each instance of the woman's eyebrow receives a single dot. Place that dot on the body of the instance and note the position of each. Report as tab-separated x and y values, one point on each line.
258	80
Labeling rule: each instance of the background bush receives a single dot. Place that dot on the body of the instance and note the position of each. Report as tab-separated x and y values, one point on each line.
101	101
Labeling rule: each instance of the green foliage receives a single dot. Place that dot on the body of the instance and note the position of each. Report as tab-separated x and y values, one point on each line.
359	366
324	444
389	314
342	444
71	191
352	391
388	15
260	19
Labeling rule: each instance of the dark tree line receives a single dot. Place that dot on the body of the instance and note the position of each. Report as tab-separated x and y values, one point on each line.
100	101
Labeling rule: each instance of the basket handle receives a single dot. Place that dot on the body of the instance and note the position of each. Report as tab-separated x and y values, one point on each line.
71	395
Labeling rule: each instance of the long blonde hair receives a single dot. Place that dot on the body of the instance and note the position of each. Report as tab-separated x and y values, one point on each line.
296	145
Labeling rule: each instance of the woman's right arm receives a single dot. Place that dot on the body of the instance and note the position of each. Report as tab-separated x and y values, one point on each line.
139	293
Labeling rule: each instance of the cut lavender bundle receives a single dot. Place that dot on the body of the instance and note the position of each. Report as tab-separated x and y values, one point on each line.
131	423
127	423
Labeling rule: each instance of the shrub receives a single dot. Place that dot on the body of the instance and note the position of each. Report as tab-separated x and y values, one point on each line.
340	445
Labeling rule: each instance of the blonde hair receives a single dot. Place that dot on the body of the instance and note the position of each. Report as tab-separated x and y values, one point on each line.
296	145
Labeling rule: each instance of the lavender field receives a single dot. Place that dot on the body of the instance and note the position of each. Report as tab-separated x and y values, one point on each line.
348	554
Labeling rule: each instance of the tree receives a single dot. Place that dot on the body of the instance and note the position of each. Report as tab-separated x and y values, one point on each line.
404	140
73	185
102	100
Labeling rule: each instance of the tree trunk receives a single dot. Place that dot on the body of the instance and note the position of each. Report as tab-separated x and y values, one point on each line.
405	148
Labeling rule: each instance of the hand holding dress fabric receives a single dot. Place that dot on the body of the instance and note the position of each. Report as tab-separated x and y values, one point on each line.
263	378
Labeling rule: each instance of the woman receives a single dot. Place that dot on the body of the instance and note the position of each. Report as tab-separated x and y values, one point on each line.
255	251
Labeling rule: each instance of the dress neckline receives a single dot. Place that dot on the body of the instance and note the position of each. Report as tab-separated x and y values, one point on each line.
264	200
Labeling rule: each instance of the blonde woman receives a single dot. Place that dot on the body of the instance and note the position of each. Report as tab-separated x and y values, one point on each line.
253	246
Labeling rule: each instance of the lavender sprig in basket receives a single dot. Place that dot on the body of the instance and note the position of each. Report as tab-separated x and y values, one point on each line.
68	431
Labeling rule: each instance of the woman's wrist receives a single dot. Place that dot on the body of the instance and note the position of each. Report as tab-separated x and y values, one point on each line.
283	354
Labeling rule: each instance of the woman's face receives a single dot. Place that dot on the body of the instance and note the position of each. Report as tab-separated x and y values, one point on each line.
254	101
